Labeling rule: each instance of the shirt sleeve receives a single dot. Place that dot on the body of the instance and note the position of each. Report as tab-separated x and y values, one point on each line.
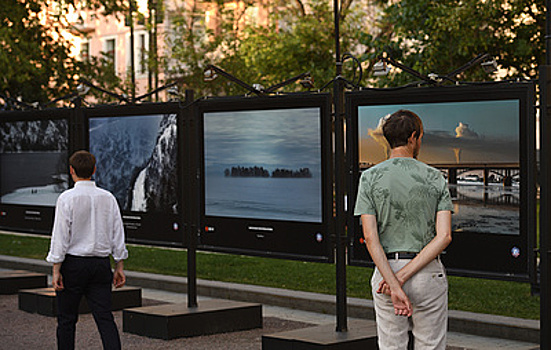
118	247
445	200
364	203
61	232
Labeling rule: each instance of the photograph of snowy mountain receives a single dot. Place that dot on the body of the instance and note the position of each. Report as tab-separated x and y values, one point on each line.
137	160
264	164
33	161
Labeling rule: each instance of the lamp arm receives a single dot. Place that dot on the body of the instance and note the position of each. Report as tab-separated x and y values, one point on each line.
164	87
408	70
112	94
286	82
234	79
481	57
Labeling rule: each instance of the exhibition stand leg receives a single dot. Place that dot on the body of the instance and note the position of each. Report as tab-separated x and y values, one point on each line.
545	207
359	334
214	316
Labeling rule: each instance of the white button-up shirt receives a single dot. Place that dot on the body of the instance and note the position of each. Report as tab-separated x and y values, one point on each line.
87	223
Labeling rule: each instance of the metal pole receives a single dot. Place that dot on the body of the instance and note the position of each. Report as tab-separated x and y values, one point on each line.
548	33
340	232
545	188
191	180
132	68
545	207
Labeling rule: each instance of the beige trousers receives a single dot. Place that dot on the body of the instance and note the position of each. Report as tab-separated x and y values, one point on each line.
428	292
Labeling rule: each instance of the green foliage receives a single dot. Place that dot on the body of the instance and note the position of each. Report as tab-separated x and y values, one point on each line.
100	71
297	39
467	294
440	36
34	60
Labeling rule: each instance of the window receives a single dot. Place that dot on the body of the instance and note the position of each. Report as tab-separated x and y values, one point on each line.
85	51
110	52
142	54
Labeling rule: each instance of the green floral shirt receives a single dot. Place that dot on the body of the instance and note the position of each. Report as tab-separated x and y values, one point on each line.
405	195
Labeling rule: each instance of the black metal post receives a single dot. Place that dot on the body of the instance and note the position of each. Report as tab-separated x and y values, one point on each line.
545	207
339	162
545	188
189	129
132	64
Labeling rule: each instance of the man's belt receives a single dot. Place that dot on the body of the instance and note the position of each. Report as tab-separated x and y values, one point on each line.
401	255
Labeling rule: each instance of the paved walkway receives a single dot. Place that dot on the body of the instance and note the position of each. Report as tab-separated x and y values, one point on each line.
456	341
290	310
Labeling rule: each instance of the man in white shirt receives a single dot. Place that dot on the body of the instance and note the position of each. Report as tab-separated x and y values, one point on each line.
87	230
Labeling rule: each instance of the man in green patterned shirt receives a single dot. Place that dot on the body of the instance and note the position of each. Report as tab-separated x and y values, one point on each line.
405	209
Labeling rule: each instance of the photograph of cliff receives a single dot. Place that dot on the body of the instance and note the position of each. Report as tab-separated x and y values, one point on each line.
137	160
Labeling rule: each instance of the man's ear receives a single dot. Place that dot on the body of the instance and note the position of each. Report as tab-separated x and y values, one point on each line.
413	136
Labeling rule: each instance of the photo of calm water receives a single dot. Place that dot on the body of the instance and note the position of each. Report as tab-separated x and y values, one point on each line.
287	139
492	209
264	198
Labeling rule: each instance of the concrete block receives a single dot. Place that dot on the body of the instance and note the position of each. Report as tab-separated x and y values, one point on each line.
172	321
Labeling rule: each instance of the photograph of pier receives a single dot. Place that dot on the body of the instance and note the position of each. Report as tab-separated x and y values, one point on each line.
476	145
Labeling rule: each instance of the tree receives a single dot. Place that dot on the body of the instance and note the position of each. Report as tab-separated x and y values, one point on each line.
441	35
32	55
35	60
298	38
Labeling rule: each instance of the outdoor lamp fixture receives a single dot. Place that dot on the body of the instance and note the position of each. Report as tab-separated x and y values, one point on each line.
487	62
210	74
380	69
489	66
173	91
82	89
307	82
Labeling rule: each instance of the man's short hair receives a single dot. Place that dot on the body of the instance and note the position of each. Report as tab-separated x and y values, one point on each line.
84	164
399	126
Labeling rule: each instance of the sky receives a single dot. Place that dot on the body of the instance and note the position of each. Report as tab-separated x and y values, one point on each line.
454	132
288	138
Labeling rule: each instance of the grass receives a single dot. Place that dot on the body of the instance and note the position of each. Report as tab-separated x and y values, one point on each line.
466	294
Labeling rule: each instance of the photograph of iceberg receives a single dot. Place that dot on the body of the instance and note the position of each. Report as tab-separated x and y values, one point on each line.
33	161
478	140
264	164
137	160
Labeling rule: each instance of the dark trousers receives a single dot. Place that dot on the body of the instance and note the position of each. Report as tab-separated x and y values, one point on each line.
92	278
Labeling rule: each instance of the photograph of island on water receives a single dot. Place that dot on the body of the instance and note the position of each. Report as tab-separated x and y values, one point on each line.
264	164
33	161
476	146
137	160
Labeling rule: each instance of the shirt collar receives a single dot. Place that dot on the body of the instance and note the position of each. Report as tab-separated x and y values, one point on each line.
85	183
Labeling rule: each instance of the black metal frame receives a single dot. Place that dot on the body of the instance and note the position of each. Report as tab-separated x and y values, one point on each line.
475	249
34	218
147	227
269	237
